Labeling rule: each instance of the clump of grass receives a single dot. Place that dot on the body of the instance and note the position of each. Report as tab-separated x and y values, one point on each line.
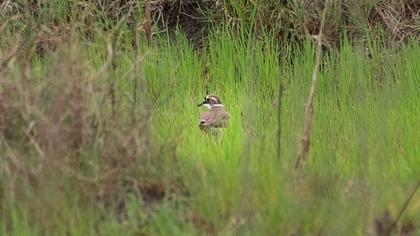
395	20
60	147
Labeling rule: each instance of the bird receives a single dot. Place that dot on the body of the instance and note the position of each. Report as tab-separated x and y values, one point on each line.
215	118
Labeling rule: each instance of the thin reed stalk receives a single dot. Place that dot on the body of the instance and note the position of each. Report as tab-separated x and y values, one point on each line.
309	109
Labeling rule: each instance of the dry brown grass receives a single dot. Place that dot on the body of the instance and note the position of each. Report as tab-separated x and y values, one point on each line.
288	20
399	18
61	125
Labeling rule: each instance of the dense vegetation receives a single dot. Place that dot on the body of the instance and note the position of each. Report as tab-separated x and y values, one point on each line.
99	125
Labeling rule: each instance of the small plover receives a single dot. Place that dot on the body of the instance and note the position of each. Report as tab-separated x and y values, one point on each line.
216	117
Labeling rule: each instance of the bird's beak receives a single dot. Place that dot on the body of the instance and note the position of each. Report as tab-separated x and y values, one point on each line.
200	104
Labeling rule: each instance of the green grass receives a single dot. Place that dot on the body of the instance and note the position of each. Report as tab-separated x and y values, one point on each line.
364	155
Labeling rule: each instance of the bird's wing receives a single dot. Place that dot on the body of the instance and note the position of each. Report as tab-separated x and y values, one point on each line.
206	119
223	119
214	119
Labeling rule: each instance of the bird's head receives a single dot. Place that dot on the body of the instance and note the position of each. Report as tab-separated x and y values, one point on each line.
210	101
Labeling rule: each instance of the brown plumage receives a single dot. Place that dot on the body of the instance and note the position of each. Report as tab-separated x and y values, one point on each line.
216	117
